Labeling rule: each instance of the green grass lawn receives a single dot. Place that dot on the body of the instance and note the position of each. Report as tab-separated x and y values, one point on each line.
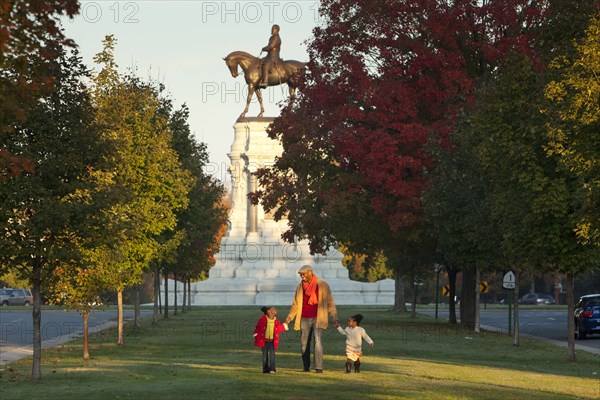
208	354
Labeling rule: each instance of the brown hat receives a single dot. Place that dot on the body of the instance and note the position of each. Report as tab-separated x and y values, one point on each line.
305	268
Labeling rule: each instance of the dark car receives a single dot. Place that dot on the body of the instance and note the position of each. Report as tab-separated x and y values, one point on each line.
536	298
587	316
15	297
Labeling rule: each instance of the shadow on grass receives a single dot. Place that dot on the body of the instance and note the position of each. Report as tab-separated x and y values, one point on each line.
209	353
396	336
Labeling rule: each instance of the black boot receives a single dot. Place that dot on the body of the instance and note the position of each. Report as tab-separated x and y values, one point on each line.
348	366
357	366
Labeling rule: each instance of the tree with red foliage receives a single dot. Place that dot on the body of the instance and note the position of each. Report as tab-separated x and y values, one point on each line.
29	30
386	79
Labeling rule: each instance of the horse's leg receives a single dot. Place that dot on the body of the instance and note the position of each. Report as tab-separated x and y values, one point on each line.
259	96
292	91
250	93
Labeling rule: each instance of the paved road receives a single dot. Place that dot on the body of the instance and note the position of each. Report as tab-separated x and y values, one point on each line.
16	329
546	324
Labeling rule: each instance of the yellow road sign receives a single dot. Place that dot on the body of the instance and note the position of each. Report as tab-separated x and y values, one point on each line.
483	287
446	290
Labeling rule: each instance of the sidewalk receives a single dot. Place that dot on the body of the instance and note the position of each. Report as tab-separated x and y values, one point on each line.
9	354
578	347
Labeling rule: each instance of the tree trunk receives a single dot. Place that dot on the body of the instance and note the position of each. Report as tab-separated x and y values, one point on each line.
467	299
413	306
452	294
36	370
557	280
477	300
160	305
399	300
570	318
516	333
166	306
86	349
189	285
174	294
156	296
137	312
184	281
120	317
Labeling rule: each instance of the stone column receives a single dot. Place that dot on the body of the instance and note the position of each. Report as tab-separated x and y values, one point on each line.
239	183
253	209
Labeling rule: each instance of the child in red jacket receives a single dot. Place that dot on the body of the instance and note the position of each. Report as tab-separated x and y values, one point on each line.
266	336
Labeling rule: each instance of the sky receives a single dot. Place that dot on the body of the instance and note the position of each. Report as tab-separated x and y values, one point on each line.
182	44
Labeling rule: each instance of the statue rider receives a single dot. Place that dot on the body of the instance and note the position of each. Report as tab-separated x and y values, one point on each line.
272	60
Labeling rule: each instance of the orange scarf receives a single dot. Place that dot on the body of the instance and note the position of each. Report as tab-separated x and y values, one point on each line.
310	289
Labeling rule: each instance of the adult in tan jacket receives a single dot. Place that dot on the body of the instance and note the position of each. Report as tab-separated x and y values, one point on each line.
313	303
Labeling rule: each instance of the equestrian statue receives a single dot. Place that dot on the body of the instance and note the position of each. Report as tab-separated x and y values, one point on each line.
268	71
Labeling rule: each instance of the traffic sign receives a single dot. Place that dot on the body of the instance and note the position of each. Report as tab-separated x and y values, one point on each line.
446	290
508	282
483	287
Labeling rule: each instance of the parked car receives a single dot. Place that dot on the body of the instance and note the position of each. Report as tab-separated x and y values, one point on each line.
15	297
5	295
536	298
587	316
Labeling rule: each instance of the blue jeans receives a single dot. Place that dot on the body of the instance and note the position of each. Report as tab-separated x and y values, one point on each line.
309	330
268	357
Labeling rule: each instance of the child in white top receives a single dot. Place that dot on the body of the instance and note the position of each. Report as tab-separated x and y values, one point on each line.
354	336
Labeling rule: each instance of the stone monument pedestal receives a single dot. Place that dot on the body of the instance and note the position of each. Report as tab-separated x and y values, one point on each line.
254	266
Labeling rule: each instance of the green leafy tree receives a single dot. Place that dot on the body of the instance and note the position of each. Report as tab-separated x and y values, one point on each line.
416	261
11	279
534	201
573	139
371	268
41	213
457	206
144	179
203	221
167	253
575	125
78	287
366	268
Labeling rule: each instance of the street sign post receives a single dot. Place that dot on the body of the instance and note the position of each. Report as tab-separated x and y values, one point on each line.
509	283
437	268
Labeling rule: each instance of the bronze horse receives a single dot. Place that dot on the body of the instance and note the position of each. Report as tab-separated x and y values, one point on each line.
287	72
